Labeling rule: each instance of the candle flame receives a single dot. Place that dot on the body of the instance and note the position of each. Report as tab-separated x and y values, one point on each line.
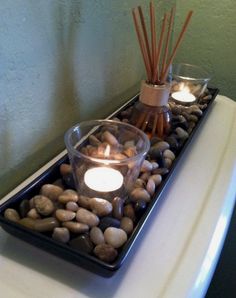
107	151
184	88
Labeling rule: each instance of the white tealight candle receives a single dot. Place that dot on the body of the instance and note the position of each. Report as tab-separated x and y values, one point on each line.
183	96
103	179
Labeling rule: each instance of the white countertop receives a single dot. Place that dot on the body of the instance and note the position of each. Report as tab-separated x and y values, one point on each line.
177	251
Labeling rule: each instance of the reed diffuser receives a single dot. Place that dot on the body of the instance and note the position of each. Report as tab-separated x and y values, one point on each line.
151	113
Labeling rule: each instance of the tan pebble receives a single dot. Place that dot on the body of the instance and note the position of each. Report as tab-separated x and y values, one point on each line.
105	252
129	211
93	140
61	234
140	194
12	215
87	217
168	162
83	201
100	206
75	227
130	151
27	222
96	236
119	156
64	215
155	165
151	186
169	154
72	206
109	138
46	224
51	191
31	203
162	145
146	166
65	169
68	195
117	207
43	205
115	237
33	213
139	183
156	178
145	176
129	144
127	225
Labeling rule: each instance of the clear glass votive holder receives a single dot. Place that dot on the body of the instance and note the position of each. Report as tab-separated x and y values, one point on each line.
106	157
189	83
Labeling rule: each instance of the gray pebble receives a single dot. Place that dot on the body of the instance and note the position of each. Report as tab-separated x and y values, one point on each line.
182	134
61	234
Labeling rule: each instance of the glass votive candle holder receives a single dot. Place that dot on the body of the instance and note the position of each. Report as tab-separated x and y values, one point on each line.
106	157
189	83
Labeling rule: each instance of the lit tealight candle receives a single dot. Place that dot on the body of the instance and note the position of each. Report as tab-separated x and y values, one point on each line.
103	179
183	96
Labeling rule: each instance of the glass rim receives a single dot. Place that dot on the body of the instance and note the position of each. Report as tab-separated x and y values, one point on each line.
98	122
207	76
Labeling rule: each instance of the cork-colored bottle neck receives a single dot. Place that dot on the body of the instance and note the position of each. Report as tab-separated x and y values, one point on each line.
154	95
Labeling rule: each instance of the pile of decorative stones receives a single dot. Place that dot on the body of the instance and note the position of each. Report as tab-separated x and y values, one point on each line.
97	226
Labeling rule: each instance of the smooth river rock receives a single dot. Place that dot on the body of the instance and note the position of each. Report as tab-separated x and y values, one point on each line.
43	205
87	217
115	237
100	206
105	252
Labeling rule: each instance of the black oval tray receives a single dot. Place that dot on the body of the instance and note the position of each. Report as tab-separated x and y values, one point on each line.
87	261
